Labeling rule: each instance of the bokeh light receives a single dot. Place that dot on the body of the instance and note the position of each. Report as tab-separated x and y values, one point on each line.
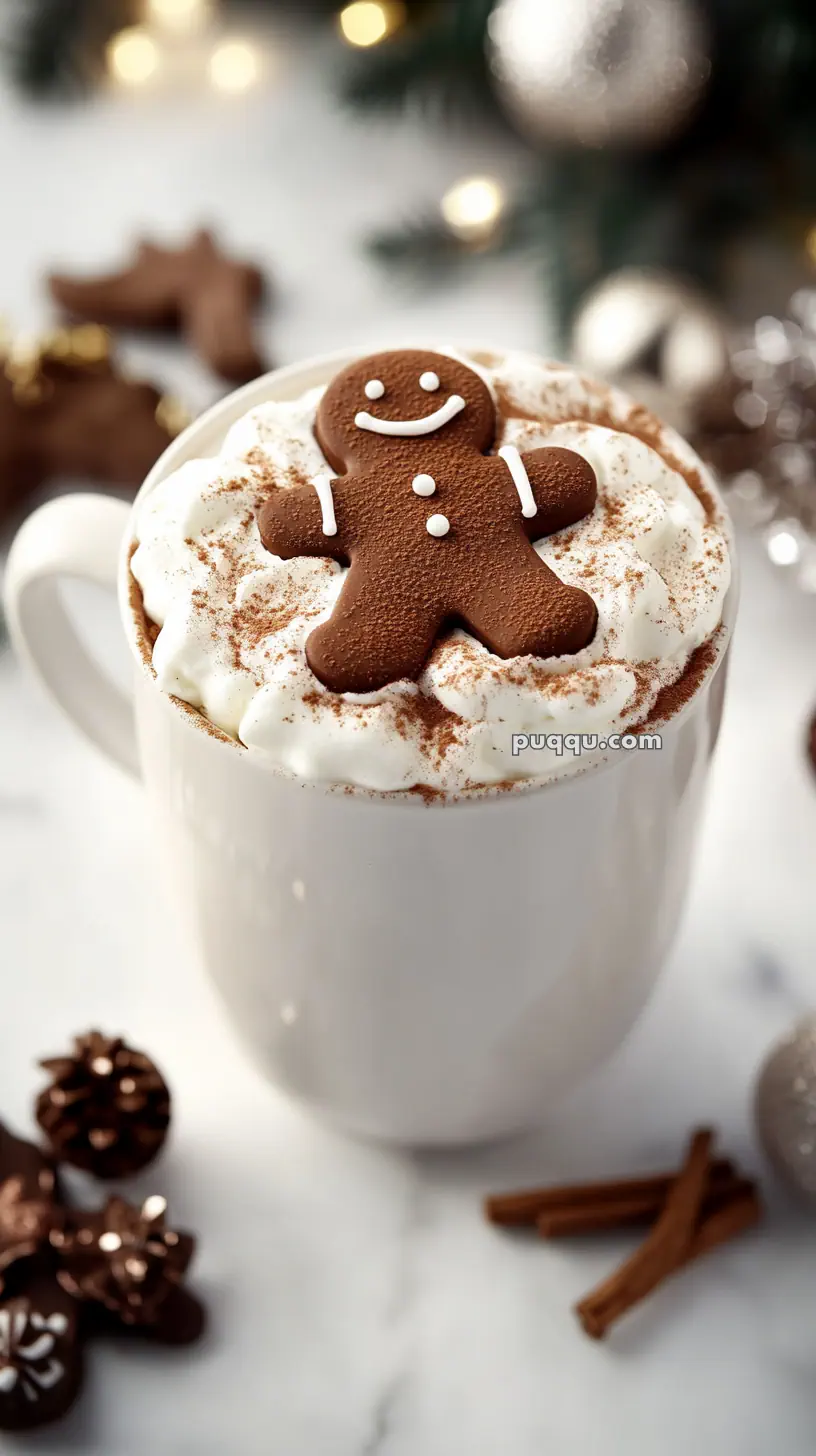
234	66
367	22
133	56
472	207
783	548
179	15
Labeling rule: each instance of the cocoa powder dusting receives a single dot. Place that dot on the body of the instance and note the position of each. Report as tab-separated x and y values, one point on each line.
436	727
146	633
671	699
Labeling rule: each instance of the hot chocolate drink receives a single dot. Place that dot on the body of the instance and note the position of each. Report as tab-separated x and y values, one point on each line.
383	610
389	583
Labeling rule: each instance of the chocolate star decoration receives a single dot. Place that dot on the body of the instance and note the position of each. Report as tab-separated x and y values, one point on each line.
128	1263
196	288
107	1108
65	410
67	1275
436	530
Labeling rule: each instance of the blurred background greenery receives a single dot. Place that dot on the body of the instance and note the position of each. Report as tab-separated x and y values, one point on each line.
664	183
658	132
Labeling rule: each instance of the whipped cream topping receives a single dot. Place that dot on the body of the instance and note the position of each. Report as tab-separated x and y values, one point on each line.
654	555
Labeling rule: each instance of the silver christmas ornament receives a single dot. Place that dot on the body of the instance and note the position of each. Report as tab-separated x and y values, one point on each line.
658	338
786	1108
763	443
598	72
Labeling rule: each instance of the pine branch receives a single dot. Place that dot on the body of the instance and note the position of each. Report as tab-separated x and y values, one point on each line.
427	243
58	44
422	245
588	215
441	60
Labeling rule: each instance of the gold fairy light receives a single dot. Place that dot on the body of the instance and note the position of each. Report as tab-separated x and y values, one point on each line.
234	67
180	16
133	56
23	359
89	344
23	366
367	22
473	207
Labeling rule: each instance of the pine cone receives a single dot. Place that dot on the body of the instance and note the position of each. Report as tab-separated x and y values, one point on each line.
107	1109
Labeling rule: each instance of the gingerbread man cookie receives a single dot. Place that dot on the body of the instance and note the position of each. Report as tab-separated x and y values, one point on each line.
435	530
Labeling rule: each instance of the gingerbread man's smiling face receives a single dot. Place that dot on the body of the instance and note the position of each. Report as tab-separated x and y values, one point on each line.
403	403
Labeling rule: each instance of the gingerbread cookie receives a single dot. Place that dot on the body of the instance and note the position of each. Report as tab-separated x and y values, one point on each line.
197	288
436	530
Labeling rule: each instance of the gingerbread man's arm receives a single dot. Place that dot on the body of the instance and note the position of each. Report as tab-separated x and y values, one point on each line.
302	522
560	483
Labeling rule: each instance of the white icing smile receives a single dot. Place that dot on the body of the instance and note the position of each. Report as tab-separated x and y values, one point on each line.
426	426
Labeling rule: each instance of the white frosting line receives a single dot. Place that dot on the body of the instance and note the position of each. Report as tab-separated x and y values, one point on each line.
440	417
423	485
437	526
521	480
323	486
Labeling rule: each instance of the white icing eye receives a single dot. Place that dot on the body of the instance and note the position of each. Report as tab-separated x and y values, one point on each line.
375	389
423	485
429	381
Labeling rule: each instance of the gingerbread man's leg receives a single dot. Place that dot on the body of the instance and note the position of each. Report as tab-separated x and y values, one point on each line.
375	636
522	609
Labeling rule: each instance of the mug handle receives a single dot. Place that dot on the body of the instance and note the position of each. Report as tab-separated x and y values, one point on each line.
72	536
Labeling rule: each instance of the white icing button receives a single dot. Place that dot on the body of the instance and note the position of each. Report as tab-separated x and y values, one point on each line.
375	389
423	485
437	525
429	381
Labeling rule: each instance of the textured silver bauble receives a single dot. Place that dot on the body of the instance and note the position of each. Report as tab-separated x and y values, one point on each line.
786	1108
598	72
643	324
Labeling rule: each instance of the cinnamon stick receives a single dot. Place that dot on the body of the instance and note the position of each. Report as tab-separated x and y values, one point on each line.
518	1209
569	1221
725	1223
665	1247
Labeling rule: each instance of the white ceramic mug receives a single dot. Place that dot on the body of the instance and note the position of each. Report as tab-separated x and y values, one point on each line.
428	974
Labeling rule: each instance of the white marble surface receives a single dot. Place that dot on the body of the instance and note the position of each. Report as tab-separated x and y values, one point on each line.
360	1306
